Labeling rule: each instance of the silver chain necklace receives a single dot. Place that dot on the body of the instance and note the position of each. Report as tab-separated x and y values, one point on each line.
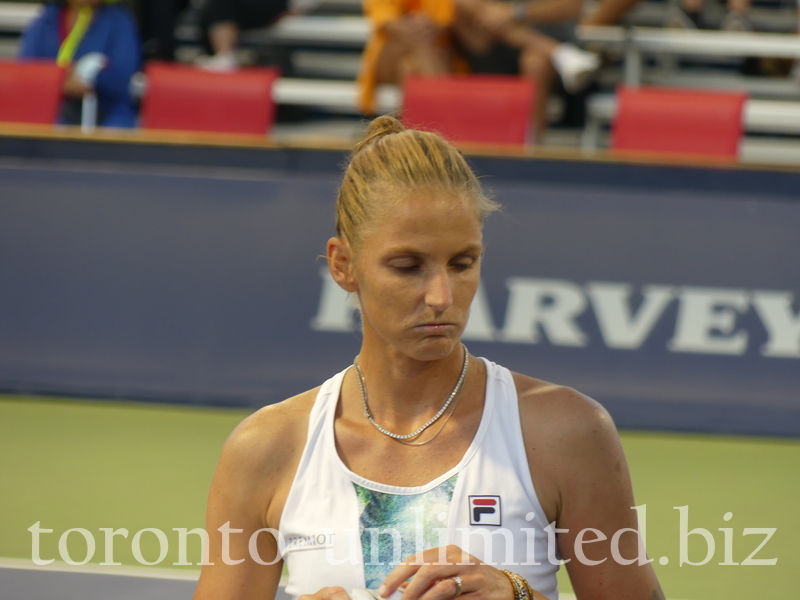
363	387
445	419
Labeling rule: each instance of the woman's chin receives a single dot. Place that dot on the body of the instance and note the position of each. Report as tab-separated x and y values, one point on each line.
425	347
435	348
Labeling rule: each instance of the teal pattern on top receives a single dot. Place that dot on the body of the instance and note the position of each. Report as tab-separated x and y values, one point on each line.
395	526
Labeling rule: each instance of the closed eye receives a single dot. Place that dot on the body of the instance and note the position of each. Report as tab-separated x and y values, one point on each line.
407	269
463	263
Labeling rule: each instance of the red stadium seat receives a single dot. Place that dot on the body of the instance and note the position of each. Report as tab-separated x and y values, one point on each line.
483	109
184	98
30	91
674	121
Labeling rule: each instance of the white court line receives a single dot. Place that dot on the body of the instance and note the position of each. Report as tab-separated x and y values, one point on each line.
126	571
96	569
119	570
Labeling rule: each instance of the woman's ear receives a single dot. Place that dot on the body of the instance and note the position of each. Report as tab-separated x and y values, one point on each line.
340	263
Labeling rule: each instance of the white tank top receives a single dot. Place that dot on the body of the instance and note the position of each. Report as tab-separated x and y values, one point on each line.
341	529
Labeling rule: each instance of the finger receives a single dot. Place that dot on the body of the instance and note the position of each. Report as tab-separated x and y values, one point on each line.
404	571
398	576
444	589
326	593
337	593
449	557
432	579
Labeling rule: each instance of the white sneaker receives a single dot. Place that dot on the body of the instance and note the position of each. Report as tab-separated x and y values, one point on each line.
575	66
223	62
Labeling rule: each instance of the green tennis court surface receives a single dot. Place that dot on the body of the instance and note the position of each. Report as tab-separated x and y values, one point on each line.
91	465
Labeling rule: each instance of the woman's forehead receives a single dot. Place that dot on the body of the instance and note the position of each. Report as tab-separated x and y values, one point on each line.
418	223
422	202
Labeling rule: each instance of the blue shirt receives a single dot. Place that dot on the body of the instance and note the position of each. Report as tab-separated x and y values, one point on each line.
113	32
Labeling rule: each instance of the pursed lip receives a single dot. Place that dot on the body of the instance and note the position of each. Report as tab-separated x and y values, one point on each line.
435	326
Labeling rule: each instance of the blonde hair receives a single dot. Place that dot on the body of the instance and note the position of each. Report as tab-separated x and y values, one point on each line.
392	158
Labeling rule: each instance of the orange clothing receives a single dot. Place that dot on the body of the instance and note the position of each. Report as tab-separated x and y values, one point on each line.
380	12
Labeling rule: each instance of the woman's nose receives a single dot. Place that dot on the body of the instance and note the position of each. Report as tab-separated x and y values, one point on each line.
439	293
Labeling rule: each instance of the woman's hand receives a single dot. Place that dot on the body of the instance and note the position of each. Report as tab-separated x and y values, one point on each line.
432	575
327	593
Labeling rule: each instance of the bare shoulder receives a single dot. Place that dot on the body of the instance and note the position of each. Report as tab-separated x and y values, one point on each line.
569	439
273	434
582	480
247	493
259	459
561	412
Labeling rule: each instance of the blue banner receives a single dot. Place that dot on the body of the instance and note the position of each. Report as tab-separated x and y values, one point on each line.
677	309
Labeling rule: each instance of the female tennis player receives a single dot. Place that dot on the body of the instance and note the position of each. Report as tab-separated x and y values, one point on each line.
421	470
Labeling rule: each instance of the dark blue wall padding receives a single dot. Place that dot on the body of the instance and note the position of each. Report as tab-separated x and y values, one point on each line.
199	285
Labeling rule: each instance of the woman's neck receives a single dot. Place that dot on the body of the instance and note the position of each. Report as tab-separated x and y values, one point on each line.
402	390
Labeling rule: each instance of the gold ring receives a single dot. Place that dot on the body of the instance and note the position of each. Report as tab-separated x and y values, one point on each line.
457	579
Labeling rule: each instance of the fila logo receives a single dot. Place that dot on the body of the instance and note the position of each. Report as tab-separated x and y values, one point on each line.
484	510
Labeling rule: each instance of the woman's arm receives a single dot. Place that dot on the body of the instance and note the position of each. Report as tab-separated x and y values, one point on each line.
250	485
235	511
581	475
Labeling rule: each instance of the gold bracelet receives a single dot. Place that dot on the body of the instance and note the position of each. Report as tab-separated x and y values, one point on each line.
522	591
528	588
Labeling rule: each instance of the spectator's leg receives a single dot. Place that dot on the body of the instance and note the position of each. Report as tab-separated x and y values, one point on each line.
471	34
535	63
388	68
425	60
575	66
737	18
399	59
224	37
529	40
220	20
224	19
692	6
542	58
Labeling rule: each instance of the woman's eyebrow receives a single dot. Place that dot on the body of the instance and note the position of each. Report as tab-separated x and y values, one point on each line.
408	250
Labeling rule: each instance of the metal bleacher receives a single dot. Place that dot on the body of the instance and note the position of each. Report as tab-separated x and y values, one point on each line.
324	52
772	110
639	42
14	18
